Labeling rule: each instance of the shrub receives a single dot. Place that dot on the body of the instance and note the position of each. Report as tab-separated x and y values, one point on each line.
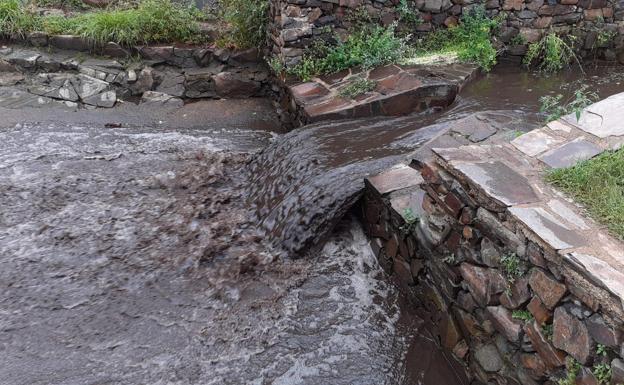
246	22
15	20
368	47
471	39
555	106
551	54
357	87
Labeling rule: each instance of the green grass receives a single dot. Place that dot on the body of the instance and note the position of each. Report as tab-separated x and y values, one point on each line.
246	21
599	184
149	22
470	40
368	47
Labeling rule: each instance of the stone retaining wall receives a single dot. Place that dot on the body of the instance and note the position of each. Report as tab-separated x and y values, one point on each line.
598	24
522	287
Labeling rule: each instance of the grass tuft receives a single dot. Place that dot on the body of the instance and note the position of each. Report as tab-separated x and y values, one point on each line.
599	184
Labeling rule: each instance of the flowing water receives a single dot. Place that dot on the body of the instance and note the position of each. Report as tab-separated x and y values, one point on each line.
130	256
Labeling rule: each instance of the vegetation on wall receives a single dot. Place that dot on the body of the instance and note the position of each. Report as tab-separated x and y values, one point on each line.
552	53
246	22
149	21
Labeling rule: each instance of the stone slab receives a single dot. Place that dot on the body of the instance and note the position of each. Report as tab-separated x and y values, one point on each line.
570	153
395	179
535	142
563	211
554	232
500	182
599	272
602	119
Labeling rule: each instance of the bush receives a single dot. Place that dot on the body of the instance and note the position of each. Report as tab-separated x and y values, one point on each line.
246	22
15	20
551	54
470	39
368	47
555	106
151	21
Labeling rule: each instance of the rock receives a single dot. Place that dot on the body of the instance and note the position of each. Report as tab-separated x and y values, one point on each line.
10	78
541	314
551	357
157	53
38	39
449	332
488	358
436	5
23	58
571	335
484	284
602	333
144	82
251	55
548	289
7	67
171	83
513	5
231	85
617	371
70	42
115	50
504	323
159	98
87	86
105	99
518	295
534	365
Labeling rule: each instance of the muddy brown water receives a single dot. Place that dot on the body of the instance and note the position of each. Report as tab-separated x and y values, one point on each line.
129	256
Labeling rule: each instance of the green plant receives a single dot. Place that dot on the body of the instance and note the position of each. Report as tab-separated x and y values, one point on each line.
15	20
547	331
369	47
408	13
555	106
573	369
411	220
512	267
449	259
471	39
602	350
604	37
597	183
276	65
552	53
518	40
523	315
357	87
602	373
246	22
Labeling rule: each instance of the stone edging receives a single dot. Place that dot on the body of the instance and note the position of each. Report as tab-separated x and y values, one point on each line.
477	236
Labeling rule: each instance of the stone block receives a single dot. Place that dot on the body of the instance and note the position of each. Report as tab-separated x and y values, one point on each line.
518	295
484	284
489	358
571	335
551	357
547	288
504	323
513	5
534	365
602	119
541	314
535	142
603	333
397	178
551	230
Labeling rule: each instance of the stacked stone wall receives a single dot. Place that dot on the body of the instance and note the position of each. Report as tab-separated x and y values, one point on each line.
597	25
519	286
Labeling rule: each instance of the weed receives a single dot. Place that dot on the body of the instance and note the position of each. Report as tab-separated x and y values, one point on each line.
15	20
551	54
449	259
369	47
276	65
523	315
597	183
512	267
602	350
64	4
547	331
411	220
573	369
602	373
408	13
357	87
246	22
471	39
555	106
518	40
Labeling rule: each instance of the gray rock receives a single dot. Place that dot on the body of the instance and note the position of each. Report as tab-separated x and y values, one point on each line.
159	98
105	99
488	357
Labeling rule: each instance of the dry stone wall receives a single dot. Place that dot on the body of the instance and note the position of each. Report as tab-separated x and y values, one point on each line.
597	24
519	285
